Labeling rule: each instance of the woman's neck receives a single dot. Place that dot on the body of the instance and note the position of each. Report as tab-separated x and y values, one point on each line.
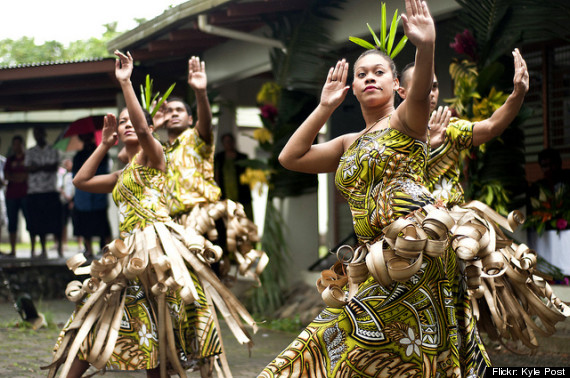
132	150
373	114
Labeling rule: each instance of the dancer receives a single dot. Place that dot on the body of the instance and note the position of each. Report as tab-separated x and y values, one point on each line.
393	301
449	135
142	308
193	194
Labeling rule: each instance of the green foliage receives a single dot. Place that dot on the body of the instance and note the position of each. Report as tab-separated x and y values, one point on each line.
26	51
309	47
549	211
151	103
496	171
499	25
384	43
267	298
298	76
292	325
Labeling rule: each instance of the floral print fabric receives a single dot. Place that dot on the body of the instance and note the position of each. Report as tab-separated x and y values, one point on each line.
443	165
190	174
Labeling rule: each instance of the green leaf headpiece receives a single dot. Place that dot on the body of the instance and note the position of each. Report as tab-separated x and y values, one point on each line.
147	98
384	43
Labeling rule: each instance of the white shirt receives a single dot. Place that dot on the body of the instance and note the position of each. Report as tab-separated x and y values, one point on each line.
41	181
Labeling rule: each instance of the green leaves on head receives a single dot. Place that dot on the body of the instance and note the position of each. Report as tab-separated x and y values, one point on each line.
386	41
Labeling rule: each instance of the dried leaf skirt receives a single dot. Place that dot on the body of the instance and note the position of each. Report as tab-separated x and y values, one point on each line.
154	288
410	303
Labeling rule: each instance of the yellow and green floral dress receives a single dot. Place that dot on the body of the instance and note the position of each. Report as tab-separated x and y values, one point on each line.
154	271
193	200
407	328
443	168
190	175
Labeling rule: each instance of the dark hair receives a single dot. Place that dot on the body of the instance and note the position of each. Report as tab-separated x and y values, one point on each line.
228	135
18	137
180	99
383	55
147	116
403	77
552	155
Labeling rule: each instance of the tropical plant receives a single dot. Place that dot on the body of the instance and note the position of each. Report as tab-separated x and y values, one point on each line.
25	49
384	43
499	25
152	102
549	211
284	103
490	30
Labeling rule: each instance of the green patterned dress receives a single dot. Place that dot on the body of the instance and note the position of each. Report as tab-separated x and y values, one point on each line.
138	194
405	329
443	164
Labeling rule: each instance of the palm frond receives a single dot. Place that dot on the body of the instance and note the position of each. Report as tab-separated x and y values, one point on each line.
362	43
382	44
375	37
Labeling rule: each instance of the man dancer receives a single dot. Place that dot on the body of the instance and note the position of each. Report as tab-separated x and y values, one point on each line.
449	136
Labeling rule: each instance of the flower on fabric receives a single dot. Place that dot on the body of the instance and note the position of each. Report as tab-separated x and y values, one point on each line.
151	198
443	189
412	343
464	43
123	209
263	135
145	336
561	224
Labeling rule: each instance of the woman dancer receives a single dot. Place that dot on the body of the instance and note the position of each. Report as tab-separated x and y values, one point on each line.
393	304
142	308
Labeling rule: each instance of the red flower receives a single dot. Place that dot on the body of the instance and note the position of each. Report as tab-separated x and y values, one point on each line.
269	112
561	224
465	43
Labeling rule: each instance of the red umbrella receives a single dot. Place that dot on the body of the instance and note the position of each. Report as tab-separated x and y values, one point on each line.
69	140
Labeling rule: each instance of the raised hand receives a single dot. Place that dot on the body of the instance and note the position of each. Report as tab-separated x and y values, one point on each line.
197	74
520	79
109	135
123	66
158	120
439	120
418	23
335	88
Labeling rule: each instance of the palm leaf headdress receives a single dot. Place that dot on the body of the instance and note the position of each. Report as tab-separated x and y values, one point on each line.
152	103
384	43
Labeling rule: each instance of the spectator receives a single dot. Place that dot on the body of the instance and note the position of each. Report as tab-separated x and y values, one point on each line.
227	174
66	193
42	201
554	177
17	176
2	197
90	209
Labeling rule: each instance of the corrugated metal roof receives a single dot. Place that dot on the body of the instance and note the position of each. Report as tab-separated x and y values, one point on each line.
50	63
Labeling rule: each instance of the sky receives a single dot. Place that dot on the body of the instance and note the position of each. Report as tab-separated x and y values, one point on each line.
70	20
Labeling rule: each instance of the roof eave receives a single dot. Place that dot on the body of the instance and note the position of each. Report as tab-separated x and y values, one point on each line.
169	17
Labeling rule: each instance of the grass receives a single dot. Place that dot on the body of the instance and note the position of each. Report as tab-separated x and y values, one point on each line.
50	244
291	325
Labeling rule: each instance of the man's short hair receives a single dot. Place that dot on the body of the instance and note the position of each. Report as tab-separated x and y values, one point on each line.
180	99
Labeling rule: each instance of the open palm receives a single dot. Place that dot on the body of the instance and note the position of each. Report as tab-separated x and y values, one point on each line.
418	23
197	78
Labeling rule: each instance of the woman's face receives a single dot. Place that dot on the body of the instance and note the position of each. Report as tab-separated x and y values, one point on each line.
374	82
125	128
17	146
